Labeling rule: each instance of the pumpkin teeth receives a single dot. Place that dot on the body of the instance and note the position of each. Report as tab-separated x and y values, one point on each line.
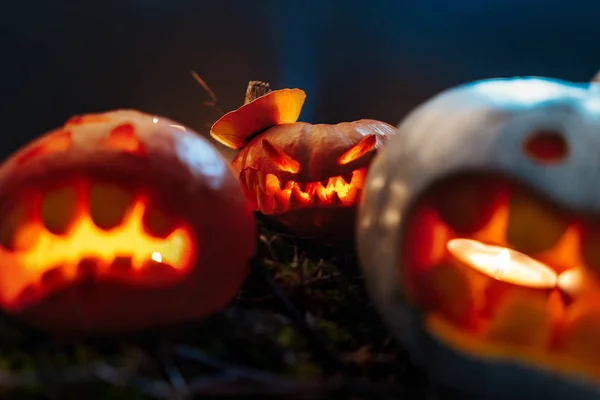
288	185
122	265
304	186
318	200
347	178
251	179
247	180
505	213
54	278
158	272
299	194
353	194
295	199
88	267
260	199
272	184
335	199
261	181
279	203
267	202
29	294
242	178
283	198
53	275
274	195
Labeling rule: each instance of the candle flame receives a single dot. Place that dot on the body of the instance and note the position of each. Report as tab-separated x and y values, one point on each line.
156	256
502	263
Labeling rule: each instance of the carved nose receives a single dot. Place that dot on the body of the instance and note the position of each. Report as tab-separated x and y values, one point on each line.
546	147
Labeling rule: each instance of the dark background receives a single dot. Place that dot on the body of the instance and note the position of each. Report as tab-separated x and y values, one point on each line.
369	59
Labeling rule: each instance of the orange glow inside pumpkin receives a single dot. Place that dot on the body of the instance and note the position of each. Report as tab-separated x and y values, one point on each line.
38	260
123	137
278	156
54	143
484	315
272	195
84	239
363	146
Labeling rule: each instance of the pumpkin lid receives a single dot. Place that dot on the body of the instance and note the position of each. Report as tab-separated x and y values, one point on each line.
236	128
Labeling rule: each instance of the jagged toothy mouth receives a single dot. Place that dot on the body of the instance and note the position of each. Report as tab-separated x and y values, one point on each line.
273	195
555	327
51	238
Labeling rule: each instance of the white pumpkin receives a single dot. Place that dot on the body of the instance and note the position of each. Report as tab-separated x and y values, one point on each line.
511	162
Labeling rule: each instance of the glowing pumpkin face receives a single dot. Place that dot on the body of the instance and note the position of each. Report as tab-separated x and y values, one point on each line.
120	221
478	235
308	177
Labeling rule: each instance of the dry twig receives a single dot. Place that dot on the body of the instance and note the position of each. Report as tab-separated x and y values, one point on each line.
214	101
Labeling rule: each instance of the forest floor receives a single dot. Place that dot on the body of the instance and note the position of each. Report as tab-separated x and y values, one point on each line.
303	327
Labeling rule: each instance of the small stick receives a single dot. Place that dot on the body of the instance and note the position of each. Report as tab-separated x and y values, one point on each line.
255	90
214	100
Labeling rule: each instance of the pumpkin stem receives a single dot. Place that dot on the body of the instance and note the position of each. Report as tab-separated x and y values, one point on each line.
255	90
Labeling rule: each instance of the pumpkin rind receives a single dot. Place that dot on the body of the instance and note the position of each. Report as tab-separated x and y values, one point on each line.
176	171
477	127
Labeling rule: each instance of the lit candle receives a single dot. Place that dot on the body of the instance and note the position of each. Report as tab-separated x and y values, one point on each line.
570	282
579	282
502	264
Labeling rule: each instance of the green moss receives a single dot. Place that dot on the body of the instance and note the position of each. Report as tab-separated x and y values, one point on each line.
335	333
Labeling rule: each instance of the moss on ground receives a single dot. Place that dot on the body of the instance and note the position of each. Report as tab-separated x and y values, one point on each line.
331	345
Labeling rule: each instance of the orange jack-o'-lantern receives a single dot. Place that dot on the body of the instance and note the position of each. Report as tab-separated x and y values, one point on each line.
479	237
120	221
307	177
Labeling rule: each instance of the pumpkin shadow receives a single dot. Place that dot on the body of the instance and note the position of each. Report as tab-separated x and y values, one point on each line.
340	251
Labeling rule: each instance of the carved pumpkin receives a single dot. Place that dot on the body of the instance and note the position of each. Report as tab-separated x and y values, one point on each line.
120	221
307	177
478	235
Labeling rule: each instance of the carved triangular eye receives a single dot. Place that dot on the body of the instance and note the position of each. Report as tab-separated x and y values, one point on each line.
278	156
366	144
